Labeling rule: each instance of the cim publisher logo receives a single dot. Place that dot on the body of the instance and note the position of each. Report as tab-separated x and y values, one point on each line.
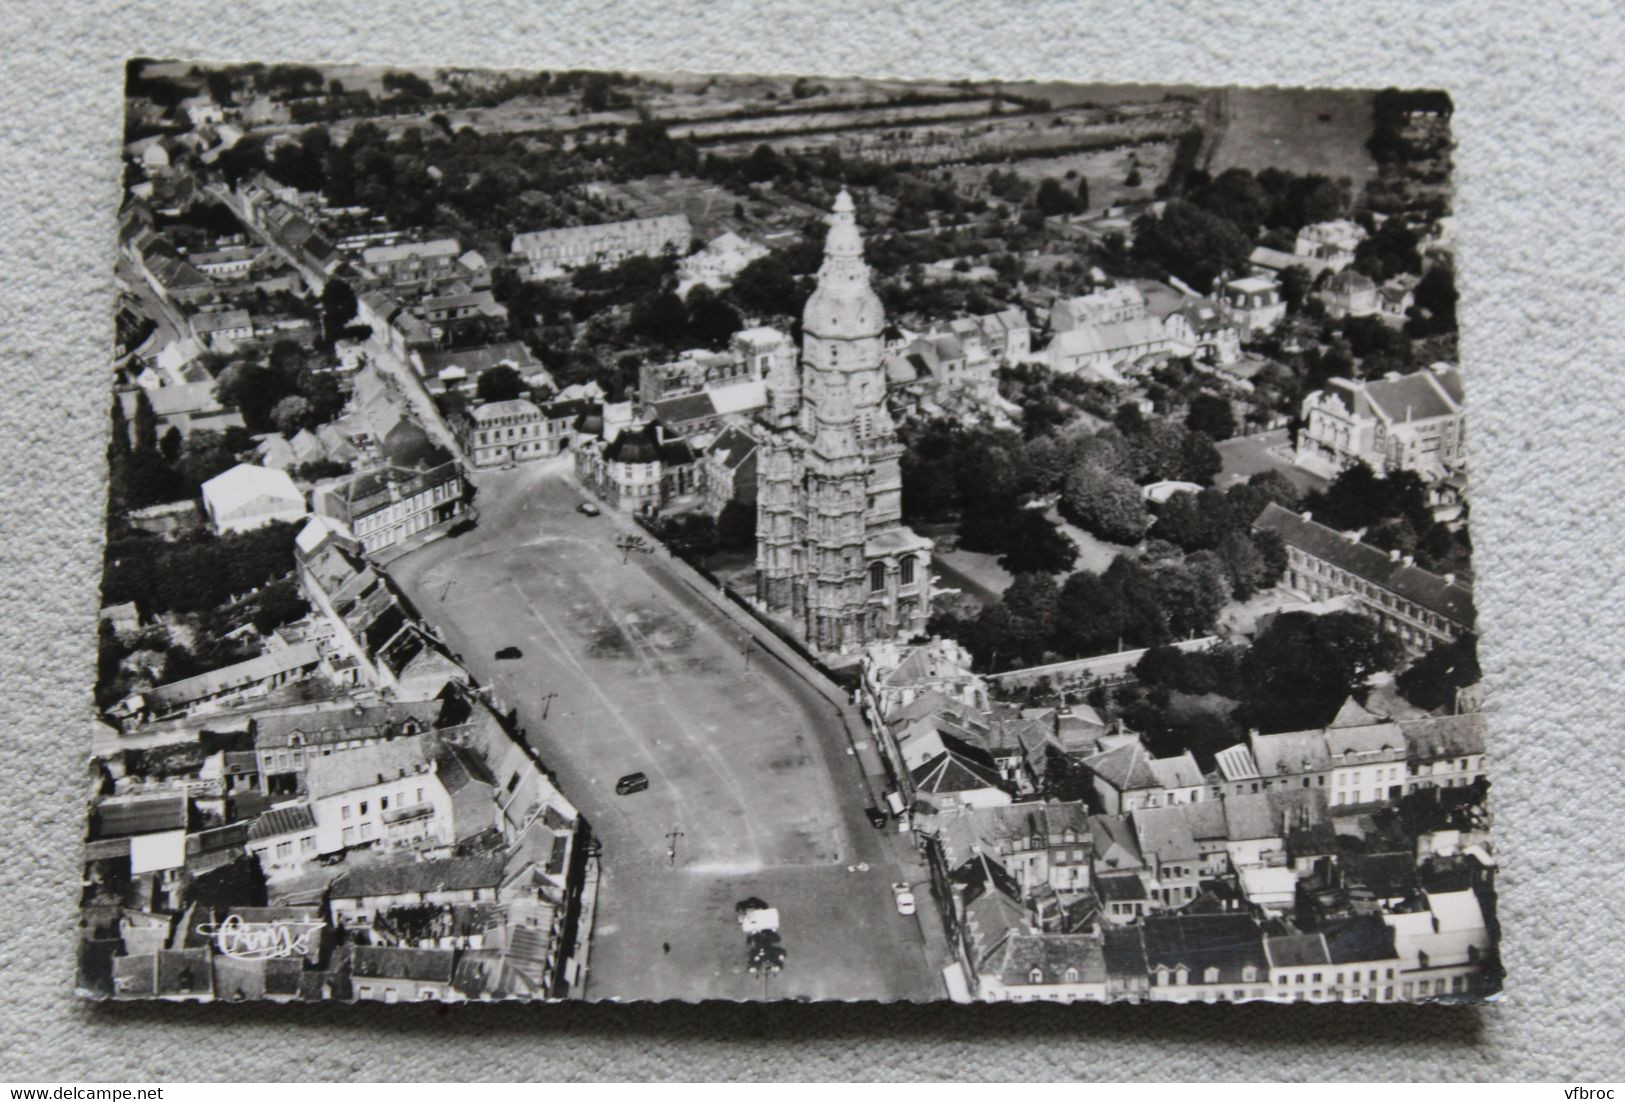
243	940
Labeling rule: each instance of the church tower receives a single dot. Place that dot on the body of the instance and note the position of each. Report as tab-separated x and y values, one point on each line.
832	553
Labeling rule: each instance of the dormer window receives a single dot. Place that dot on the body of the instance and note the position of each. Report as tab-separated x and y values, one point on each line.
1211	975
1249	974
1071	975
1036	975
1182	975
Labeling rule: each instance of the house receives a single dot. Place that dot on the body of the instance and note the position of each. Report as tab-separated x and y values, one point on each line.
728	470
960	775
896	675
1396	297
391	974
412	261
286	739
255	677
1103	307
222	330
250	496
1206	958
386	794
1420	607
1253	303
1332	243
1099	351
548	253
1414	422
498	434
1201	330
386	505
1349	294
1050	967
1266	261
1444	751
358	896
640	470
460	368
284	841
1041	845
1126	778
1172	860
716	265
1443	949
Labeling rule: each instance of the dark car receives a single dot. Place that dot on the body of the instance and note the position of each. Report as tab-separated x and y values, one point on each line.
510	652
876	817
632	782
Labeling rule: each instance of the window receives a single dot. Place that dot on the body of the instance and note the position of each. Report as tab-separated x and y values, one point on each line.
877	577
284	850
906	571
1211	975
383	803
349	836
363	807
307	844
1071	975
344	812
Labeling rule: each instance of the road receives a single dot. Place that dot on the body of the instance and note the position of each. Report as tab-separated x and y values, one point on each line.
635	671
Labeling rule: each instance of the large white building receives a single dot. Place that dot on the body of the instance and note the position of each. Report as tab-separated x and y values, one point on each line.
1414	422
549	253
248	496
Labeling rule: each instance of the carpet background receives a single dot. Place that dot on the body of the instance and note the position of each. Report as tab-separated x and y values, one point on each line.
1536	92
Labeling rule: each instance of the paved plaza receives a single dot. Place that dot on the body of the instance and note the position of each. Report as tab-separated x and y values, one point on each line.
751	781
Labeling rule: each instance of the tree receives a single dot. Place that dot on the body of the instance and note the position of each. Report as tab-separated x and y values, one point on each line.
1053	198
1435	298
291	414
736	526
1065	778
501	383
1190	595
711	321
1083	194
1034	597
338	304
766	287
1302	667
1295	284
252	389
691	536
1244	563
1106	504
1033	542
1212	416
661	318
146	423
1432	680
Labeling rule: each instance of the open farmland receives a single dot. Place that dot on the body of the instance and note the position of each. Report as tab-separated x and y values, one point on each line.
1300	130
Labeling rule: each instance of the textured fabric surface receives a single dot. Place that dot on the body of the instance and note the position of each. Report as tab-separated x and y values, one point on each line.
1536	92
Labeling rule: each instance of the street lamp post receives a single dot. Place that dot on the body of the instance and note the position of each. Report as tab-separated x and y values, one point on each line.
671	847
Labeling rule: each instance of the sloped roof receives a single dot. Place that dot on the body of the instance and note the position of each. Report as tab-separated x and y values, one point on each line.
236	676
1164	833
1236	763
1228	942
1176	772
116	818
955	771
1444	736
395	963
1419	396
281	820
245	484
1125	768
1250	818
1451	600
605	235
414	877
1296	950
345	770
1358	938
1051	956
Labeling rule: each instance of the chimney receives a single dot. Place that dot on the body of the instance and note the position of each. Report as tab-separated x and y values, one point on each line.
1449	579
1308	516
1408	561
1393	555
959	903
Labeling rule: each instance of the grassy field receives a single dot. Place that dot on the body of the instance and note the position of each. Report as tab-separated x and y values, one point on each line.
1303	130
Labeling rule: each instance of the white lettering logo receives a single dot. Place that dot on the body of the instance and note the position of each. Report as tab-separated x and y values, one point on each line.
261	940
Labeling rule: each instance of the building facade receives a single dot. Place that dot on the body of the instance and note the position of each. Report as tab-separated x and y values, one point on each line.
1412	422
833	555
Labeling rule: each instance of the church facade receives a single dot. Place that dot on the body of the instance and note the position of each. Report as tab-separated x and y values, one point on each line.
832	553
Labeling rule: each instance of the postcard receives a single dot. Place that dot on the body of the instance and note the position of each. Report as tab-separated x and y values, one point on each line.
612	536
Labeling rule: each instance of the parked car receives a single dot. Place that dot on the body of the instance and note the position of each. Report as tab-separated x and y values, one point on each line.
587	508
876	817
510	652
904	897
632	782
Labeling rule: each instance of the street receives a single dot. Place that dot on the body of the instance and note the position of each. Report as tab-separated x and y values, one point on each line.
752	790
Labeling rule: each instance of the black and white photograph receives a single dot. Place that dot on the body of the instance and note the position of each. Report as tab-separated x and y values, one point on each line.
636	536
